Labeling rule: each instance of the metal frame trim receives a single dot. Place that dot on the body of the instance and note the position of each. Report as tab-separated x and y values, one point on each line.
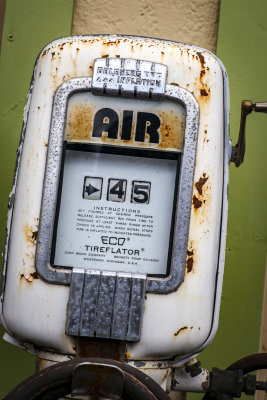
51	181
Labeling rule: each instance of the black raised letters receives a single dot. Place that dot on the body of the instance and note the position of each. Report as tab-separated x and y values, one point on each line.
127	122
106	120
147	123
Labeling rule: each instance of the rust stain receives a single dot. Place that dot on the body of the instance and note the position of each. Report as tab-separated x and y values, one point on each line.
61	46
201	59
202	73
190	262
53	55
42	363
45	51
196	202
201	195
175	84
30	234
165	376
111	42
30	256
34	275
205	383
99	348
29	277
117	55
79	123
105	56
184	328
203	92
171	131
127	354
201	182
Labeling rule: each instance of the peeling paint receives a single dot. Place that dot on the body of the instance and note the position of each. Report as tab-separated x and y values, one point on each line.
30	234
197	203
201	196
29	277
190	259
189	264
184	328
203	92
201	182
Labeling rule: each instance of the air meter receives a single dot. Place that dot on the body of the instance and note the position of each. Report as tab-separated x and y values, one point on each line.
117	216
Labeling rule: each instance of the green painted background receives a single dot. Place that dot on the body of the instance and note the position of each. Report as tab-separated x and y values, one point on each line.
242	44
29	26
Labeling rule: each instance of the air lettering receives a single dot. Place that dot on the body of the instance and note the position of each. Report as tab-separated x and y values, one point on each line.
107	121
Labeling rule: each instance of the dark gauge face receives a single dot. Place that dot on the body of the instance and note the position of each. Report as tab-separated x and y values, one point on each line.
119	177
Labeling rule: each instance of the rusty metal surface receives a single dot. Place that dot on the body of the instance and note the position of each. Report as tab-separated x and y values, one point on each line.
97	380
70	58
182	381
100	348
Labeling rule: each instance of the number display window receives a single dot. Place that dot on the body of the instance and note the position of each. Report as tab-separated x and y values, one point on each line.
92	188
140	192
117	190
108	217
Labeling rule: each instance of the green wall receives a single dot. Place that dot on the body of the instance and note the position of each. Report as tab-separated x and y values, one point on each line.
242	44
29	26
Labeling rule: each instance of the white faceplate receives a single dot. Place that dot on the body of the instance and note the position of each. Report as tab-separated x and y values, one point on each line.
113	232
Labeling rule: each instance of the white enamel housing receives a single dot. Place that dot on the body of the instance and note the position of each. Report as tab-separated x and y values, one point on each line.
178	324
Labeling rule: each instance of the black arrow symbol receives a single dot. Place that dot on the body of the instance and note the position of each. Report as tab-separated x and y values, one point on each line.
90	189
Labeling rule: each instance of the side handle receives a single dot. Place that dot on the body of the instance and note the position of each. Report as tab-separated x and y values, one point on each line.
238	151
